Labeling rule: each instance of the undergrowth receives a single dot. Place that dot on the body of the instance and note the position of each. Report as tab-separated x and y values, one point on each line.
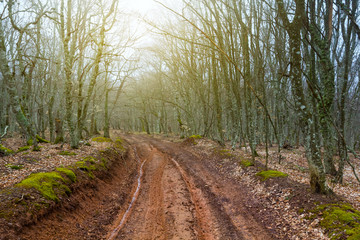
341	221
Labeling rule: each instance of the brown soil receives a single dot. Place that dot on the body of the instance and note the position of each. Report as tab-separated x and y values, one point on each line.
182	199
183	195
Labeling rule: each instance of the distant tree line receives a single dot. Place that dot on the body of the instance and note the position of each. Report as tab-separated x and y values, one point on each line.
63	66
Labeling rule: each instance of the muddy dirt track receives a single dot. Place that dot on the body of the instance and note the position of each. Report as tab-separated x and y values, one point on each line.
179	196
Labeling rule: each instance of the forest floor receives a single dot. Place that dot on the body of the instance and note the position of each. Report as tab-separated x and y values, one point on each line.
192	189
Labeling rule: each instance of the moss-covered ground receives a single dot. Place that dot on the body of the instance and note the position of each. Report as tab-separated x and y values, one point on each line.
23	149
341	221
69	173
5	151
15	167
67	153
101	139
264	175
246	163
49	184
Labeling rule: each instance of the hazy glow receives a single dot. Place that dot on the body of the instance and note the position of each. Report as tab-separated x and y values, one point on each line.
153	12
141	6
149	8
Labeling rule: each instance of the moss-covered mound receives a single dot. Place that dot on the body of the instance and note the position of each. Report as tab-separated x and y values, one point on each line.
192	140
88	165
270	174
69	173
196	136
4	151
101	139
40	193
49	184
341	221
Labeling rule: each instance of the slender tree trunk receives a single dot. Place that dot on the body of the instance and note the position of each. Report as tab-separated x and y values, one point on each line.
347	33
9	78
317	173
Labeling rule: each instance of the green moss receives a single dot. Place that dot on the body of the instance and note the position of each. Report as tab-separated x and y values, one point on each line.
70	174
103	163
341	221
23	149
15	167
3	214
30	142
59	139
246	163
119	143
87	165
48	184
41	140
67	153
224	152
101	139
196	136
37	148
5	151
90	159
270	174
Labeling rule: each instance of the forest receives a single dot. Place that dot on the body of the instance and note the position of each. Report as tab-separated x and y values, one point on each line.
255	72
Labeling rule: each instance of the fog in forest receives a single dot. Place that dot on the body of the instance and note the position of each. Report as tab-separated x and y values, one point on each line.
246	72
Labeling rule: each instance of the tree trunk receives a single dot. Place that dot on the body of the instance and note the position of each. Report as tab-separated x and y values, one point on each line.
11	89
317	173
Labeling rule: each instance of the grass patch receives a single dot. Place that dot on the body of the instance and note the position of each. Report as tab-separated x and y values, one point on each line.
101	139
67	153
341	221
49	184
270	174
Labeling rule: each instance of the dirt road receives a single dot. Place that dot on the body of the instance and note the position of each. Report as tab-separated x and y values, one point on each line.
170	193
181	198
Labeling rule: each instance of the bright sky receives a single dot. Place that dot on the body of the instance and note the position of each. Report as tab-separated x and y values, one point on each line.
151	11
141	6
148	8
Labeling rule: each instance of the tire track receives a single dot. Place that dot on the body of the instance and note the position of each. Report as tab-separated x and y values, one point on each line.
181	198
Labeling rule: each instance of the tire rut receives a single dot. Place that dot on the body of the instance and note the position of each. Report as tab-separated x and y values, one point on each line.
164	209
219	202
